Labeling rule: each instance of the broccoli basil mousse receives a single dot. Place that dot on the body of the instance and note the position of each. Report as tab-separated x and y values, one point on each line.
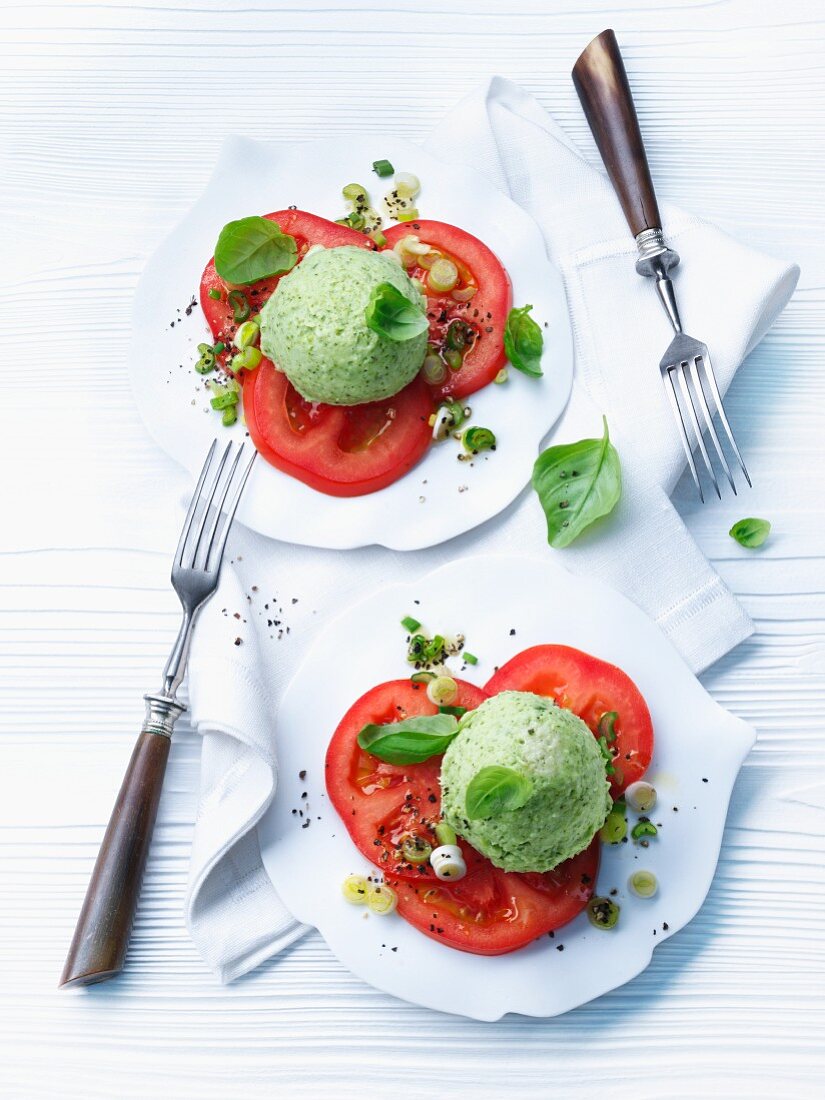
314	329
552	758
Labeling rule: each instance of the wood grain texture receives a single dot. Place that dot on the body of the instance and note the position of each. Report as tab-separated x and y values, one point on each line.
110	115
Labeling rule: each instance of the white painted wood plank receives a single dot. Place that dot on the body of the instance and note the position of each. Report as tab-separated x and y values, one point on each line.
110	114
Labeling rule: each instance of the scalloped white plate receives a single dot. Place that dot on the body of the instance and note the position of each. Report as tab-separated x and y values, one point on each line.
255	177
698	752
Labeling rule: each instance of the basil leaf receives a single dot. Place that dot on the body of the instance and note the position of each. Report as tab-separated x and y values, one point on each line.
523	342
390	313
577	483
750	532
253	249
495	790
412	741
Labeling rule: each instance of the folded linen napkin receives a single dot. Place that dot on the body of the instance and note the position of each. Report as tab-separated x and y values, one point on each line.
251	639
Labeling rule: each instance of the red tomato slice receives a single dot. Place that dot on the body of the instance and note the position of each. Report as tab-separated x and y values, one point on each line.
493	912
343	451
383	804
307	229
588	687
485	313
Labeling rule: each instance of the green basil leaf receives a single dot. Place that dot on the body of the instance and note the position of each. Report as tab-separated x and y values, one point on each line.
750	532
390	313
495	790
577	483
253	249
523	342
412	741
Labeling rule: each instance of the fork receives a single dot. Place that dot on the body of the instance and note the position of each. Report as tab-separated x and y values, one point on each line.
98	947
686	369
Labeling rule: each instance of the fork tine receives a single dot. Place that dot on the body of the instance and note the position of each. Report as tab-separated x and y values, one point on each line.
688	396
217	555
717	397
193	503
696	378
207	501
670	390
217	508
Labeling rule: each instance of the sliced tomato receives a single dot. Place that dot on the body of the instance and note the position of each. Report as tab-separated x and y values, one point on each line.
481	319
307	229
493	912
343	451
381	804
589	687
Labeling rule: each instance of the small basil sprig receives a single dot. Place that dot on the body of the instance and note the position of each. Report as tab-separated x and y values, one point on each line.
411	741
390	313
750	532
495	790
523	342
577	483
252	249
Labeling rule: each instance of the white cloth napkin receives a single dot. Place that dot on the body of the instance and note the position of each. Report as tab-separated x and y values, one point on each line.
274	596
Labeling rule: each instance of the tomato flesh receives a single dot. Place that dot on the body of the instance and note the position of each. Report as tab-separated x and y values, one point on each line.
589	687
485	314
493	912
384	804
339	450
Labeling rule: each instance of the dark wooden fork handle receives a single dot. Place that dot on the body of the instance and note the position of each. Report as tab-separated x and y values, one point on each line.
601	81
105	922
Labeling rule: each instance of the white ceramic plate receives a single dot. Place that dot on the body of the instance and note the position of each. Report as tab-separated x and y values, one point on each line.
441	497
698	752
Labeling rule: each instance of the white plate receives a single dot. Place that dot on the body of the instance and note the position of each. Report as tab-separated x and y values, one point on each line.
253	177
487	598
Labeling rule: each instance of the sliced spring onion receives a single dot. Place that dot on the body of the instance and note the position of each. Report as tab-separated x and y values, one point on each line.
470	658
240	306
478	439
442	424
248	359
410	624
428	258
643	829
354	888
501	377
443	275
225	399
415	849
422	677
381	899
206	363
456	712
448	862
641	796
453	359
382	168
355	192
214	294
643	884
442	691
445	834
219	347
378	236
458	412
229	416
246	335
434	369
465	294
460	335
407	185
603	913
614	829
408	215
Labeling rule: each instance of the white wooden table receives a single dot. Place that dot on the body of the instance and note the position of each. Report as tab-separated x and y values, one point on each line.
111	115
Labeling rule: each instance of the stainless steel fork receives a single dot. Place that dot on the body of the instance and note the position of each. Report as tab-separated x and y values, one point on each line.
686	369
98	948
